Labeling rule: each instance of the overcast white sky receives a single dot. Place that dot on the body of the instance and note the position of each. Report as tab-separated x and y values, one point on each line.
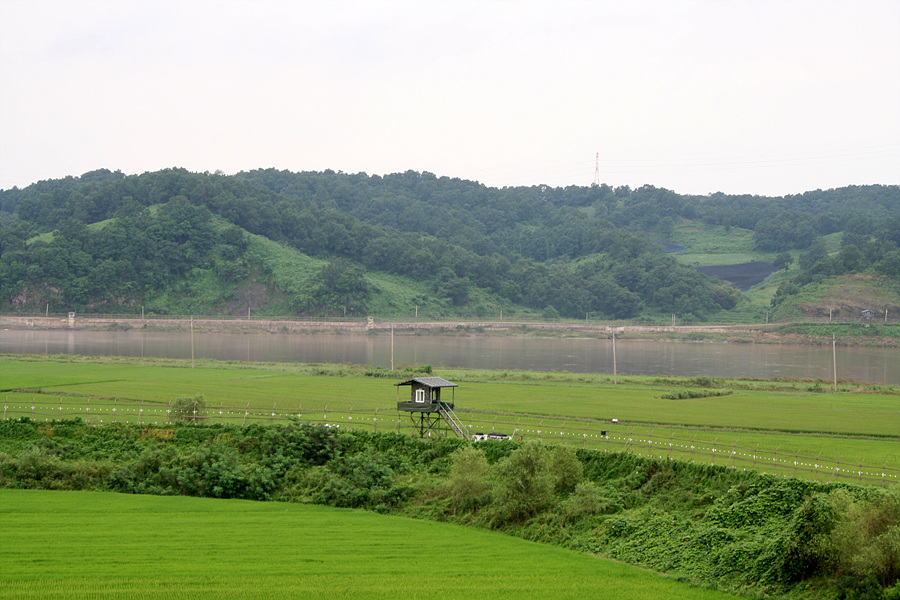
736	96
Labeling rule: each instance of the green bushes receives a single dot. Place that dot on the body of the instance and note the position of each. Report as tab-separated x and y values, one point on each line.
688	394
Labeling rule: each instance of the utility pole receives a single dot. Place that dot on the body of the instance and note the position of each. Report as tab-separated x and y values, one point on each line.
597	171
834	358
615	369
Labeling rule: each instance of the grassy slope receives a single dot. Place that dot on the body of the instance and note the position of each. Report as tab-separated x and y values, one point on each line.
121	546
846	296
392	295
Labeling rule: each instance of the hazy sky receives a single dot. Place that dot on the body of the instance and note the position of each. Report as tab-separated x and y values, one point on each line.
736	96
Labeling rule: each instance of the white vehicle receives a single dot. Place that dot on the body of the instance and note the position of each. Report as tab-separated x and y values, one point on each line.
480	437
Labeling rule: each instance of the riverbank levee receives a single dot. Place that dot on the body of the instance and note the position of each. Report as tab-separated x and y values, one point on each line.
76	321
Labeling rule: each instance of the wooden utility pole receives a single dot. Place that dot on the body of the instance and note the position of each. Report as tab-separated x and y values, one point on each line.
615	369
834	358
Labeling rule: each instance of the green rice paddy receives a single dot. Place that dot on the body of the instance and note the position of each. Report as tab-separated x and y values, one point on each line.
757	424
81	545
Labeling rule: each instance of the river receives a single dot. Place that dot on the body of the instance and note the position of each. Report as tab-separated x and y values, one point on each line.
580	355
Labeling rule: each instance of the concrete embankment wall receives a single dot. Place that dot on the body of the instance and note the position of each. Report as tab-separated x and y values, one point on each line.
249	325
359	326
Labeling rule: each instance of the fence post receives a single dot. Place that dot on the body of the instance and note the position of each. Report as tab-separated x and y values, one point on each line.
168	412
60	410
325	414
774	459
375	420
299	412
693	447
796	454
561	429
115	402
272	419
141	413
246	412
5	406
32	408
714	451
584	445
671	438
540	425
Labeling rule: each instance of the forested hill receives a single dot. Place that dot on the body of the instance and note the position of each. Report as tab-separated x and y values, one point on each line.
335	243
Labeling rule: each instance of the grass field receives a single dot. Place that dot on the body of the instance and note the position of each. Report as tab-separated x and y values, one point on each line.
72	545
858	425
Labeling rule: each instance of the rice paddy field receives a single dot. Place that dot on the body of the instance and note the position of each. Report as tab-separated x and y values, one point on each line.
786	427
87	545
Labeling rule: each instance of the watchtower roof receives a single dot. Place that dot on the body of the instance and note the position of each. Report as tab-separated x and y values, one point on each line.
431	382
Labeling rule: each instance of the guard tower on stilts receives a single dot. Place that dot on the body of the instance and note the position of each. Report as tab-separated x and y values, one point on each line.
427	410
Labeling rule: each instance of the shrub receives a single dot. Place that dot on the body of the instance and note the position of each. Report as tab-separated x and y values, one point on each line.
586	501
189	409
565	469
468	478
523	484
867	537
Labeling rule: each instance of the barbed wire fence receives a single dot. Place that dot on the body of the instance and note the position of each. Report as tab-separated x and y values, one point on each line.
595	435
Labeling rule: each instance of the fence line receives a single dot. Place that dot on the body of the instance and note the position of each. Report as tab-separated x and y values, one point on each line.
587	435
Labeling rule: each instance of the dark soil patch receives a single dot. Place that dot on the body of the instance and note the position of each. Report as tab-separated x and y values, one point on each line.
743	276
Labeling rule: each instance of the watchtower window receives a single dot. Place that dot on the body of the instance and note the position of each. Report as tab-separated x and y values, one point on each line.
420	396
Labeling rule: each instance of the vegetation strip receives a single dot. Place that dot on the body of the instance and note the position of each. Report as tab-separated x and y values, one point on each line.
732	530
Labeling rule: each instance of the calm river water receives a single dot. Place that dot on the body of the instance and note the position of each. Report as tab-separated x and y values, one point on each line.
637	357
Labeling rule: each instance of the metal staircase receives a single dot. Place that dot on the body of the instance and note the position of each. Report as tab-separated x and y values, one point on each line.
453	421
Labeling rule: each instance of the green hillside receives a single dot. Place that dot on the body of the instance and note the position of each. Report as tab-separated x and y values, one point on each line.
333	244
844	298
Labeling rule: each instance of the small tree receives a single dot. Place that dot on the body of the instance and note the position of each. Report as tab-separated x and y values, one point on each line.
783	261
190	409
468	477
523	483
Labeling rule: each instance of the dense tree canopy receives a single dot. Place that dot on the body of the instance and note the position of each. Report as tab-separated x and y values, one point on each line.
105	239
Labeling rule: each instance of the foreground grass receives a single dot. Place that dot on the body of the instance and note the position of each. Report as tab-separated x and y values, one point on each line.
91	544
